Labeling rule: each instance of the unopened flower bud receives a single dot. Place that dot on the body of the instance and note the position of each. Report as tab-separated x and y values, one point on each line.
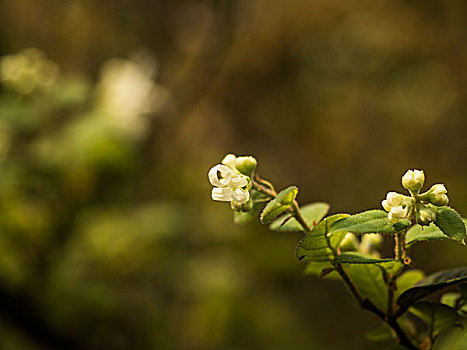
349	243
248	205
425	215
236	206
229	160
437	195
373	239
413	180
246	165
370	243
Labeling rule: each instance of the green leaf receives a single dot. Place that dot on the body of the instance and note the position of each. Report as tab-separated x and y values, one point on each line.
312	213
438	317
419	233
370	282
407	280
380	334
396	347
372	221
317	245
430	285
358	258
279	205
450	222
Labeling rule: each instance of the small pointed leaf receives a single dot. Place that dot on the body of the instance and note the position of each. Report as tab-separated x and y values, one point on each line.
279	205
372	221
312	213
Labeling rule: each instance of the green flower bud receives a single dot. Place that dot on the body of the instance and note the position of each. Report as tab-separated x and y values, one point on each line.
248	205
236	206
413	180
425	215
375	240
242	207
246	165
349	243
437	195
370	243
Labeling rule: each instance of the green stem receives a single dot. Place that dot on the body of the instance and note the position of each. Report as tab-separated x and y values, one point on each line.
398	246
298	216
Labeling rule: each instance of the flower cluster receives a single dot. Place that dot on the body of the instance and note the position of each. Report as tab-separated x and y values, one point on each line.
399	206
232	179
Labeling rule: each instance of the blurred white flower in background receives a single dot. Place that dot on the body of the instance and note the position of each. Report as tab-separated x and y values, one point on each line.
127	93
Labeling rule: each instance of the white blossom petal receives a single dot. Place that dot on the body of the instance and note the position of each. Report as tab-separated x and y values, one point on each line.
386	206
223	194
393	199
240	196
225	175
238	181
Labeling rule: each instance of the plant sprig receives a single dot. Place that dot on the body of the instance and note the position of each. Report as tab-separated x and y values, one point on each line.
347	246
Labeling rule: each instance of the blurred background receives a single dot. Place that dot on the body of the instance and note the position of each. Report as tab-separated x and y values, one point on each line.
112	112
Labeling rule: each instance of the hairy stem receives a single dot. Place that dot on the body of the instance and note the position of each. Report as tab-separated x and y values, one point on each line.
397	246
298	216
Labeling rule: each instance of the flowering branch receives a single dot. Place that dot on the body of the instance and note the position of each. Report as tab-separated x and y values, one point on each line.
333	241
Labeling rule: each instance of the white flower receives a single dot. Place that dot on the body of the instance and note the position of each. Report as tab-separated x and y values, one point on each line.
229	184
238	181
386	206
393	199
413	180
240	196
223	194
220	175
397	213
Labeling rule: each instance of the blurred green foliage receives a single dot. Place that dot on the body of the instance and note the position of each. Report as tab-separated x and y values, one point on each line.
108	236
